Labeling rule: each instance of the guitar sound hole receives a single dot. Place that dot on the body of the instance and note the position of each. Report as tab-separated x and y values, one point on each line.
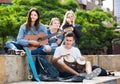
40	39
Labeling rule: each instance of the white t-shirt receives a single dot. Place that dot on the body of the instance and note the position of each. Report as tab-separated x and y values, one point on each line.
62	51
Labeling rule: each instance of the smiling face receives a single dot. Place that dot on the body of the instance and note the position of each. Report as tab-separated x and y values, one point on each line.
70	16
55	23
69	41
33	16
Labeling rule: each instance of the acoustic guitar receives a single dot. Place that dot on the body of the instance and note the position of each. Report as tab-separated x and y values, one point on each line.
42	38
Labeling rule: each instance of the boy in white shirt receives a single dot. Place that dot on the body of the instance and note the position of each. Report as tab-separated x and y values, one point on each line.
68	50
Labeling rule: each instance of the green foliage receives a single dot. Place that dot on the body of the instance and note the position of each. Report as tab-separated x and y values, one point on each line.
118	23
70	5
21	2
14	15
95	34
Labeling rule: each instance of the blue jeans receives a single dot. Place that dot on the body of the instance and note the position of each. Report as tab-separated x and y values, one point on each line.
53	48
42	51
39	51
14	45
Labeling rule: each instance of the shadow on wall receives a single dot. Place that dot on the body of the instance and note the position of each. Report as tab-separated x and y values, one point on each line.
3	49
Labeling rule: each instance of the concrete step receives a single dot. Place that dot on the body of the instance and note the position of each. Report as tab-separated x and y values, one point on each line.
97	80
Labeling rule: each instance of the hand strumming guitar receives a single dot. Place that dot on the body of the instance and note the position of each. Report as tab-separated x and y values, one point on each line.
34	43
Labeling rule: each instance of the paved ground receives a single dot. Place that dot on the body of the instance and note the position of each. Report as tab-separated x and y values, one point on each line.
96	80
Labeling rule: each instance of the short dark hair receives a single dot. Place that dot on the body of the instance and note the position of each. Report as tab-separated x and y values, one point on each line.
70	34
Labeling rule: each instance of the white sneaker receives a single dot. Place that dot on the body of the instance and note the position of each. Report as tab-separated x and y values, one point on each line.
17	52
93	74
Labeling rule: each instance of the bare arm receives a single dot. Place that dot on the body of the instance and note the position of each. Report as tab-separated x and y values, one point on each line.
33	43
56	59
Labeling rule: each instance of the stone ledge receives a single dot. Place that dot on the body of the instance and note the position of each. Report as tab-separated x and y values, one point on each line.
109	62
14	68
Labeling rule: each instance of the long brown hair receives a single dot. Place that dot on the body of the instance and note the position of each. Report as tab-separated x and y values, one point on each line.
28	22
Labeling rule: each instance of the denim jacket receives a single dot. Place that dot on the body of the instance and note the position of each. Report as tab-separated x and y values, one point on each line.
23	31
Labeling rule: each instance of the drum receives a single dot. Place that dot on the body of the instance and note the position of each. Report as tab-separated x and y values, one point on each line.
80	62
80	65
69	60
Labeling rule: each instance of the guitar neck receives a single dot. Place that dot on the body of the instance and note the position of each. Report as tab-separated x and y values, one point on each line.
48	36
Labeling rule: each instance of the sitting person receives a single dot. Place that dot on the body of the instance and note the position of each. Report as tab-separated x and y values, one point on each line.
69	22
54	41
49	48
68	50
30	27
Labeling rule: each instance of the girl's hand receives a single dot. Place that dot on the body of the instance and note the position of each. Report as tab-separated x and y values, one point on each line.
68	21
34	43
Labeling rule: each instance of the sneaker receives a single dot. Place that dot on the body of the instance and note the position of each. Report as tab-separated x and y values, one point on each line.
17	52
11	51
93	74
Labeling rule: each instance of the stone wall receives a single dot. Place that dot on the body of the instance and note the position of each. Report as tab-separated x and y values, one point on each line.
12	68
109	62
15	68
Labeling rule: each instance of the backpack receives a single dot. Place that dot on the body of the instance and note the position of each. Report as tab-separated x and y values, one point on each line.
45	68
103	71
47	72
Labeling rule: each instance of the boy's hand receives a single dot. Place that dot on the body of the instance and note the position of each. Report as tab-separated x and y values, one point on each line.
65	55
82	58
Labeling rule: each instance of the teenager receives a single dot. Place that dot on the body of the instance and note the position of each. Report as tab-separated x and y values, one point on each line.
68	50
54	29
32	26
69	21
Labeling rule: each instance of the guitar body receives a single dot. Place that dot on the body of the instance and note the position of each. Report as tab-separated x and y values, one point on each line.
39	38
42	38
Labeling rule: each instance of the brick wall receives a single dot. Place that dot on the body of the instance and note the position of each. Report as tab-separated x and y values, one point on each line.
5	1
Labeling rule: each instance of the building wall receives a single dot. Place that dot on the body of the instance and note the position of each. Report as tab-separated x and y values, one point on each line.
5	1
88	4
91	6
116	7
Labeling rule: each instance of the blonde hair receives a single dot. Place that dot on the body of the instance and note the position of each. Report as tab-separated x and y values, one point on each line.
53	19
66	14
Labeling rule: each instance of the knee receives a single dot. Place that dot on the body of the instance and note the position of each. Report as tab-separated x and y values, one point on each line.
88	63
8	42
48	48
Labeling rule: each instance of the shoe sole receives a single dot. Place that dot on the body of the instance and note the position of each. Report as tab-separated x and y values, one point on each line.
16	52
93	74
